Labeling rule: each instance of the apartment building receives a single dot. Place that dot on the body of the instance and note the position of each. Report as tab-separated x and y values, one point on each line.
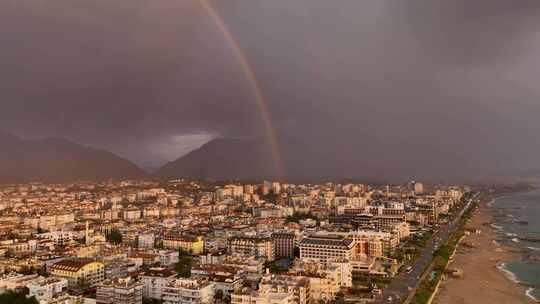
257	246
45	289
154	280
188	291
79	271
119	291
262	297
283	244
194	245
324	248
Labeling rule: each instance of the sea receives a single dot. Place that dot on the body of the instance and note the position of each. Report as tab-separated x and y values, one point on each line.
517	216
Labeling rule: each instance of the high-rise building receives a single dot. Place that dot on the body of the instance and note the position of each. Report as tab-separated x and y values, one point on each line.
283	244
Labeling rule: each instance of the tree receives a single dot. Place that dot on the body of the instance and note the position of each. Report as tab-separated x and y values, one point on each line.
83	284
185	262
114	237
340	298
16	298
218	295
151	301
182	252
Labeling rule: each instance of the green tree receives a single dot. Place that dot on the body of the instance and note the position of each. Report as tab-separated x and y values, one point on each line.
151	301
114	237
185	262
16	298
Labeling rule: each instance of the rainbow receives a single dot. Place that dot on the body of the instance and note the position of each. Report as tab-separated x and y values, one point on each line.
254	83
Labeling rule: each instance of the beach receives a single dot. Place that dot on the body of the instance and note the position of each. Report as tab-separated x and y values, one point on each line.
480	257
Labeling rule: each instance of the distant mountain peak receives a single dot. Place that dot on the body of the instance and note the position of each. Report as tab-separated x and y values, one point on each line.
58	160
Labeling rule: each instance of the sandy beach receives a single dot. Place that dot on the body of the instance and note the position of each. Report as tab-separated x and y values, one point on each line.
482	282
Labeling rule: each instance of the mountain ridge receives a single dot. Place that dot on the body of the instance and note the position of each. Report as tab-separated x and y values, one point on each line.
58	160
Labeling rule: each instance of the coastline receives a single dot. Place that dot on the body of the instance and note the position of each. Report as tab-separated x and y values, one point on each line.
482	259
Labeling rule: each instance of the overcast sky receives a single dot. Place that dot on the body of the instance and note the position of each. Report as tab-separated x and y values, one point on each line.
434	83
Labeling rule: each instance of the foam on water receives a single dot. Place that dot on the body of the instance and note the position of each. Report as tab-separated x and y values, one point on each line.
526	207
496	227
530	292
510	275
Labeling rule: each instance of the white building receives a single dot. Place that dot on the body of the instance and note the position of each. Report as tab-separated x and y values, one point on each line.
60	238
188	291
44	289
168	257
154	280
119	291
262	297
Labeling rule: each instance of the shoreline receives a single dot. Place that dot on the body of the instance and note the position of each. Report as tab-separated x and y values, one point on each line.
482	258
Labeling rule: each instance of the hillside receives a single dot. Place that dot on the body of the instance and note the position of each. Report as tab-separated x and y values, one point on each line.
57	160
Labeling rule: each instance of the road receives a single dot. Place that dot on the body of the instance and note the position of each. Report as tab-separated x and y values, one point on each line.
405	283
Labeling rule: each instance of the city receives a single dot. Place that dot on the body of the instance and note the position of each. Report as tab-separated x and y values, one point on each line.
181	241
269	152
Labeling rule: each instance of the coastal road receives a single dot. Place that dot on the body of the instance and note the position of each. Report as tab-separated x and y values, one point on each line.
405	283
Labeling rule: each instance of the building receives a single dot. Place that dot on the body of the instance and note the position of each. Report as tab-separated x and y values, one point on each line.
188	291
154	280
283	244
79	271
252	246
325	280
191	244
45	289
168	257
117	268
297	286
226	279
119	291
60	238
418	188
132	214
146	240
248	296
326	248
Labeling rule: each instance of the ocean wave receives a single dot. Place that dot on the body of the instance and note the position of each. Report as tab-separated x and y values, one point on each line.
533	248
496	227
515	240
529	294
511	234
509	274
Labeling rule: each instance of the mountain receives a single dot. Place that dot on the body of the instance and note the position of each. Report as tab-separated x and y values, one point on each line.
251	159
58	160
224	159
318	160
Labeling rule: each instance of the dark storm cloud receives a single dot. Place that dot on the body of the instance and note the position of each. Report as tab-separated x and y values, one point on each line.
385	85
107	72
470	32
